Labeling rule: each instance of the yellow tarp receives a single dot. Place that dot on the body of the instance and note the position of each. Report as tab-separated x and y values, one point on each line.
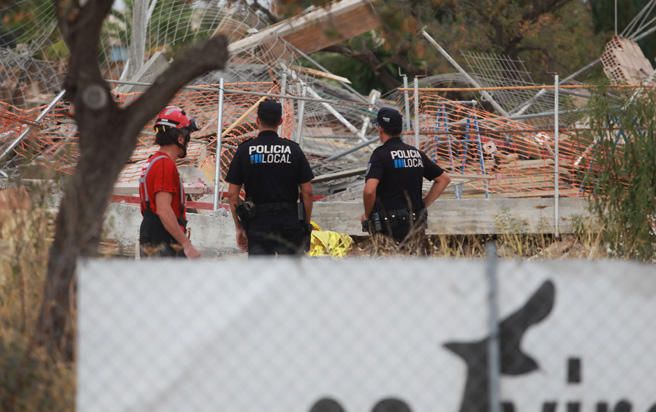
327	243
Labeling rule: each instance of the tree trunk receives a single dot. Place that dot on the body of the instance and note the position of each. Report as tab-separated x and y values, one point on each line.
108	136
78	227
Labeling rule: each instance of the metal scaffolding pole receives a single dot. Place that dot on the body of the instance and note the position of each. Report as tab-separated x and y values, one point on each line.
325	103
231	91
521	109
353	149
320	67
332	111
283	92
219	132
137	49
43	114
556	169
301	116
462	71
366	120
406	103
417	123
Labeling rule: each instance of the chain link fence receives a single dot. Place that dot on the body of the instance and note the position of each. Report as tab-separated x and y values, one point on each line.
365	335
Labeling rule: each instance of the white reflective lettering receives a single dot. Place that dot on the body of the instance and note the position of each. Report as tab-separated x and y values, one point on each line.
262	149
405	154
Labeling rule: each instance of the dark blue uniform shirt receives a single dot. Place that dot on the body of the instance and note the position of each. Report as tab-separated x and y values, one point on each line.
270	168
401	169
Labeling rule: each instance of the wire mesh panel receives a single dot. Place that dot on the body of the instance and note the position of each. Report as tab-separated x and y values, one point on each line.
493	70
385	335
495	154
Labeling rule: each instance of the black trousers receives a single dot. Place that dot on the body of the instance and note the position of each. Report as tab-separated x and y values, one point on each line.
155	241
161	250
277	234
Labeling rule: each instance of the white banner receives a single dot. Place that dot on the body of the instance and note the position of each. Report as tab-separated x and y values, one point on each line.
363	335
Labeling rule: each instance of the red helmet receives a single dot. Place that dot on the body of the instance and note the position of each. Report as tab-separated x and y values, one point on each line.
173	116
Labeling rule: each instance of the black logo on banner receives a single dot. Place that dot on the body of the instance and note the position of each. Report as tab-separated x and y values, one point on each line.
513	362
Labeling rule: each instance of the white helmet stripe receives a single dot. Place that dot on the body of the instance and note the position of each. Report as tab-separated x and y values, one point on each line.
163	122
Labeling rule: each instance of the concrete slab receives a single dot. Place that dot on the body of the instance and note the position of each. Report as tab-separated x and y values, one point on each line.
467	216
214	234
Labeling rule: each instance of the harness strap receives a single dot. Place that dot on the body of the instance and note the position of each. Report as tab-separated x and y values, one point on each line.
143	181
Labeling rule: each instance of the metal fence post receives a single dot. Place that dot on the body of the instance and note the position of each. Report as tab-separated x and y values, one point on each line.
556	168
416	112
301	114
137	49
406	101
494	366
219	132
283	92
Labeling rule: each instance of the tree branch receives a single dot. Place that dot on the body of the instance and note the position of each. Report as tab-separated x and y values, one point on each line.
194	62
369	59
541	8
256	6
81	27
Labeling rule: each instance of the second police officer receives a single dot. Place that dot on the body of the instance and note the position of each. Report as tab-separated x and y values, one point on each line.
272	170
393	200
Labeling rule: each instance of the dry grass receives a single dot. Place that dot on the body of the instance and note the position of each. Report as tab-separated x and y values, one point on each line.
585	243
30	380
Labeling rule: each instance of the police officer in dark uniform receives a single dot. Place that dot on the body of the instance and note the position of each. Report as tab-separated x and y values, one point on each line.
271	220
393	202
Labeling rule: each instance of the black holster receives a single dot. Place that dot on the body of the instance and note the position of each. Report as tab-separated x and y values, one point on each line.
374	224
245	213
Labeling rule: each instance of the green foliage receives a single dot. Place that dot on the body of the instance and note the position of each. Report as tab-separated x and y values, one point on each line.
548	35
171	24
27	17
361	75
623	172
30	21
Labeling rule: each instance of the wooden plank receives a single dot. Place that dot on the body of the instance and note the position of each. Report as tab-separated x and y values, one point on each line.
334	28
317	29
320	73
528	164
467	216
571	192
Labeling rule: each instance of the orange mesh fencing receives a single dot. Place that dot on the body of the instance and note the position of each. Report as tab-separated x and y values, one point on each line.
492	154
54	140
202	105
506	157
12	123
50	139
239	113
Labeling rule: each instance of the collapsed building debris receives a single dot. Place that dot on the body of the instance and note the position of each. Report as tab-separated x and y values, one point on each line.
624	62
505	154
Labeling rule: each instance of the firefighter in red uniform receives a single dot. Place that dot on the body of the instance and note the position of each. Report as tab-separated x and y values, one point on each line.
163	229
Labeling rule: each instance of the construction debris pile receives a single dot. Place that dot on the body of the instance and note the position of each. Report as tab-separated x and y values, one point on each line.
502	144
